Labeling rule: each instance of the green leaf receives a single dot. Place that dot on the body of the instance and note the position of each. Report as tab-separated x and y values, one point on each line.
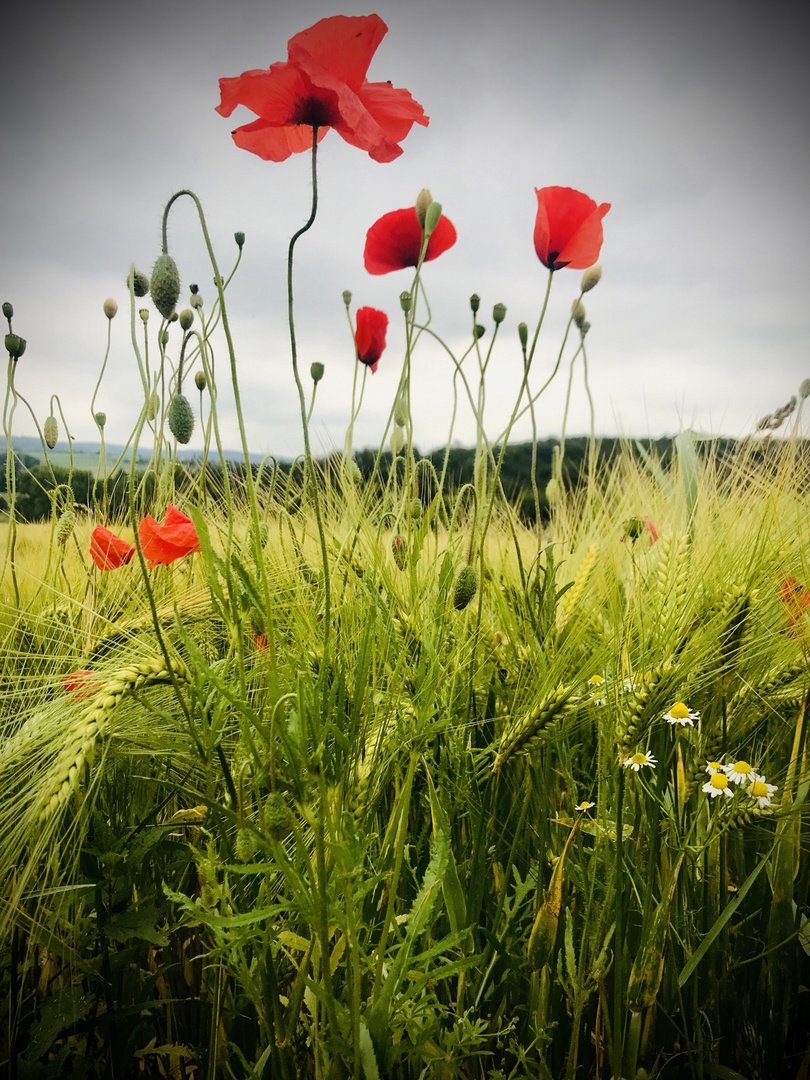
138	923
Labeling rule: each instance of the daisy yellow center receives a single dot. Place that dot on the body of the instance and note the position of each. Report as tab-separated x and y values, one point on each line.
719	781
758	788
714	765
679	711
596	679
639	759
742	768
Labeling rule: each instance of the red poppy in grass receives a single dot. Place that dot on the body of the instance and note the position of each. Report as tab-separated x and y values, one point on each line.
370	336
796	599
109	551
395	240
568	228
174	539
651	530
323	84
81	684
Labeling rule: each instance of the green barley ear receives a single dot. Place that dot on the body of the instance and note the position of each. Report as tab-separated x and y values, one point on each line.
181	418
165	285
65	526
523	736
465	587
50	431
277	815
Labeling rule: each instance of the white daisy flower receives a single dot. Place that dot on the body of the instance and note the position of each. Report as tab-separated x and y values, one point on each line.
713	767
638	760
681	714
717	784
596	685
584	805
762	792
740	772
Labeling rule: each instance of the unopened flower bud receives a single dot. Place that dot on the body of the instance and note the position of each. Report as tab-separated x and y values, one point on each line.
164	338
553	491
475	302
196	301
347	297
591	277
110	308
423	201
523	334
181	418
401	412
499	313
804	389
15	346
153	408
50	431
397	440
578	313
200	380
8	310
64	526
416	508
140	282
353	471
585	328
101	419
465	587
434	212
144	314
405	301
480	331
186	319
173	317
316	371
165	285
400	552
239	237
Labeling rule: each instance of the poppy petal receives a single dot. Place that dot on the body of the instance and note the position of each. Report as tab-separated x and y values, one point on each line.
342	44
370	335
109	551
568	228
393	242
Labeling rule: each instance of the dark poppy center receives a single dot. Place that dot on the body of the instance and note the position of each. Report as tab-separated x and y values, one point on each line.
315	112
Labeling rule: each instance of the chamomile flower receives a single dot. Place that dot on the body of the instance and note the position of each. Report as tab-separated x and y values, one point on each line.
584	805
596	685
740	772
717	784
762	792
713	767
638	760
681	714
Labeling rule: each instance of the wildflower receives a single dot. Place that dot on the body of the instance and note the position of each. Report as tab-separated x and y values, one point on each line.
394	241
796	599
81	684
323	84
717	784
762	792
681	714
370	336
596	683
109	551
650	529
713	767
585	805
172	540
638	760
740	772
568	228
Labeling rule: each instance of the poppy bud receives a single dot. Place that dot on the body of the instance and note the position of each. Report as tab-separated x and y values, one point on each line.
400	412
165	285
416	509
585	328
397	440
400	552
434	212
140	282
316	371
186	319
110	308
553	491
164	338
347	297
465	587
423	201
239	237
153	407
405	301
64	527
479	331
523	334
101	419
199	380
15	346
8	310
578	313
50	431
196	301
499	313
144	314
276	816
591	277
353	469
181	418
804	389
173	317
475	302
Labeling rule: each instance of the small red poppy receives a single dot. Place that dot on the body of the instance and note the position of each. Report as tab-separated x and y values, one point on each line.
109	551
394	241
323	84
172	540
796	599
651	530
369	336
81	684
568	228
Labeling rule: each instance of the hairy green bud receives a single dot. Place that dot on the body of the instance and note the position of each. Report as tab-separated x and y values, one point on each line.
186	319
276	815
50	431
199	380
181	418
465	587
196	301
65	526
153	408
316	371
165	285
15	346
416	508
423	201
140	282
591	278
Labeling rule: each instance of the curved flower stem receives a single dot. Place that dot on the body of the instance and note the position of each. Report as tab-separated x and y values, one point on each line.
11	483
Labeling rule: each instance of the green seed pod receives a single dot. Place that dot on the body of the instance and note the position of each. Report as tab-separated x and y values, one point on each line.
153	407
465	587
50	430
405	301
110	308
499	313
479	331
181	418
347	297
277	815
8	310
239	237
165	285
15	346
186	319
475	302
196	301
316	371
523	334
144	314
65	526
199	380
400	552
101	419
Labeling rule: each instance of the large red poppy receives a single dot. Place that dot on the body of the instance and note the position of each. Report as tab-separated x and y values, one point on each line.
323	84
109	551
174	539
369	336
568	228
394	241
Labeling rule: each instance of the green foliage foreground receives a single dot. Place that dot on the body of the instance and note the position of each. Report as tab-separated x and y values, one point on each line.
242	845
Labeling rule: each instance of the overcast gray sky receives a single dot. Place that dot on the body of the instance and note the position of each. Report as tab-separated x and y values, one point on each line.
690	118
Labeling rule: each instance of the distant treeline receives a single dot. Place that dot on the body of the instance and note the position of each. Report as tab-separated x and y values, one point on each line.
34	481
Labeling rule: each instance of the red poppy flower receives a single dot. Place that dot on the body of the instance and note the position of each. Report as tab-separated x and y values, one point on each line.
174	539
370	336
651	530
395	240
109	551
796	599
568	228
323	84
81	684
